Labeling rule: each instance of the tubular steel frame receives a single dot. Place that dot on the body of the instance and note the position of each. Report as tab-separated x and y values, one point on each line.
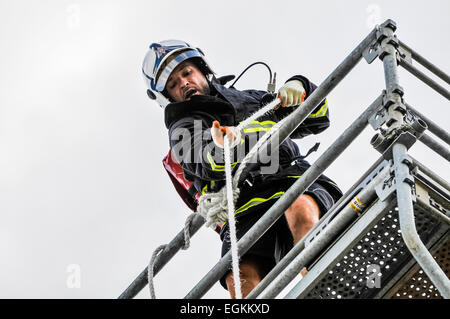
399	126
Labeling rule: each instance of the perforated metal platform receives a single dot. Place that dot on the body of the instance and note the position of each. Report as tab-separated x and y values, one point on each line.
371	260
416	284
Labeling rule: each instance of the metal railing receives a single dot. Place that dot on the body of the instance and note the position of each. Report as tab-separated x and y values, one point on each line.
399	126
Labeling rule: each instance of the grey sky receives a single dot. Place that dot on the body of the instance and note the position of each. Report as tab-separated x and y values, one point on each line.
81	179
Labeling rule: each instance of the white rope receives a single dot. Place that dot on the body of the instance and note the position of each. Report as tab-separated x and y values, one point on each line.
232	220
255	149
213	206
187	235
219	207
258	113
150	274
151	264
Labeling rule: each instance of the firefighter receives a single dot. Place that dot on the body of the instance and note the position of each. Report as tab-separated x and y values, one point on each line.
198	112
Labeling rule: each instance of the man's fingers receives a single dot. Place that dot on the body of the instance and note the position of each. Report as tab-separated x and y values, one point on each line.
219	132
291	94
223	130
290	100
218	128
297	99
230	133
282	97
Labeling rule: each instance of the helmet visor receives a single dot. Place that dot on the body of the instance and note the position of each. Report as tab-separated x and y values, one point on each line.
164	73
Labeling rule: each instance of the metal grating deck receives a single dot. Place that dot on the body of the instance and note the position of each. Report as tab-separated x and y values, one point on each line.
371	260
381	247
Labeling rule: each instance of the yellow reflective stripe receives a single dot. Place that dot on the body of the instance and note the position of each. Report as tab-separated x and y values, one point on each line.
268	122
253	202
217	167
256	129
256	201
322	111
208	186
256	126
264	122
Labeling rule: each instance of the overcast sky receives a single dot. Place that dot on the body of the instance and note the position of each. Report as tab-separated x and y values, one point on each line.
82	187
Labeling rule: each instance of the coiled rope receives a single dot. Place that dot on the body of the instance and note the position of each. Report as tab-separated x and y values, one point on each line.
151	264
219	207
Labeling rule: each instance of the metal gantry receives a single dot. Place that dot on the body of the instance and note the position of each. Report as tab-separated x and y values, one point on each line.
387	236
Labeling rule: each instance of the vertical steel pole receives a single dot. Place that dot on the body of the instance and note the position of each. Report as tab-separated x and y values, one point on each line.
408	226
404	180
389	57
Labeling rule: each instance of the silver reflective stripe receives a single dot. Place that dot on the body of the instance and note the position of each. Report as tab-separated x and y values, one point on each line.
165	73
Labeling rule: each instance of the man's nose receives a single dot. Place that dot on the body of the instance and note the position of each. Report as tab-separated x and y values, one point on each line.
184	83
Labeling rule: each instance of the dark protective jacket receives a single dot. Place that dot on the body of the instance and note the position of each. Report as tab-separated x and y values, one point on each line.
189	125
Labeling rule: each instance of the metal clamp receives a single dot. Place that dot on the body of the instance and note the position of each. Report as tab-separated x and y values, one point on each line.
386	114
405	177
386	189
383	37
372	51
384	144
392	119
404	55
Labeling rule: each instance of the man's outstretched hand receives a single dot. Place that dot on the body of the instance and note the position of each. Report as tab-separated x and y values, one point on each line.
291	94
218	133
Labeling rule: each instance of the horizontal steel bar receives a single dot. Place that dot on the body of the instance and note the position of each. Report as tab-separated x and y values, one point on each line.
280	206
312	101
432	127
161	260
426	79
324	239
297	117
290	256
345	243
431	174
433	211
427	64
435	146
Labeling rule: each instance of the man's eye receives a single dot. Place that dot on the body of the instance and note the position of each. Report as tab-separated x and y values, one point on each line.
187	72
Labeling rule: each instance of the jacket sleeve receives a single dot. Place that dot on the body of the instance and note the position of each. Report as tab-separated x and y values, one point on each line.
317	121
192	145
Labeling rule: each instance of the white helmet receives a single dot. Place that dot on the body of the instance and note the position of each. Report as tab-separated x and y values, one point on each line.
156	72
